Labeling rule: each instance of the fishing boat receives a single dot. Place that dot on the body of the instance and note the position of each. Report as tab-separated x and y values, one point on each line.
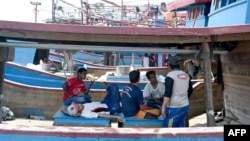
234	76
61	46
99	69
197	11
26	89
212	13
235	82
42	78
25	93
98	58
73	34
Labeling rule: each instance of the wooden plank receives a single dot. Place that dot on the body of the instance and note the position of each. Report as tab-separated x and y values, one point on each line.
84	37
236	100
240	80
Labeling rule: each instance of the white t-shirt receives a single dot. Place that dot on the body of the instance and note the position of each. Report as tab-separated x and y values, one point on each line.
87	113
157	92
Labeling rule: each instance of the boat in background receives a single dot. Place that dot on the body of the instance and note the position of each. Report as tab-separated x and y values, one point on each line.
99	69
42	78
225	13
197	11
98	58
212	13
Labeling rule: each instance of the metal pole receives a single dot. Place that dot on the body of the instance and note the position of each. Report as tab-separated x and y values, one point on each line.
87	12
148	5
53	11
82	11
122	13
36	14
36	4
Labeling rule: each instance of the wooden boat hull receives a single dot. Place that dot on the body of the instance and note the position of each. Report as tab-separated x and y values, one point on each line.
25	100
198	101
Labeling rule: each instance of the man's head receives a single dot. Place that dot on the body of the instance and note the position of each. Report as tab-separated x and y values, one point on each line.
151	76
74	109
134	76
173	62
82	72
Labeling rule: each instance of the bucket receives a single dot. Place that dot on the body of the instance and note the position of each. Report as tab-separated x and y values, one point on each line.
46	67
122	70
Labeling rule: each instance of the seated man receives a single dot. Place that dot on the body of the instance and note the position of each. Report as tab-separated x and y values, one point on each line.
75	90
132	100
106	108
153	91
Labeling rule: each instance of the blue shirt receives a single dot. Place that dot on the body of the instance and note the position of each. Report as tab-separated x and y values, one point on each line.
132	98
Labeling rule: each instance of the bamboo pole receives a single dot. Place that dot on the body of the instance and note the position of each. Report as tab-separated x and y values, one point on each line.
208	84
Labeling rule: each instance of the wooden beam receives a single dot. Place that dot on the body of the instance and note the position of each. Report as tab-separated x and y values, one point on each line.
232	37
104	48
98	34
98	38
208	84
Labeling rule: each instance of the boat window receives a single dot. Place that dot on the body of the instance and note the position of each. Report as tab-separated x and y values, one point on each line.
217	4
224	3
198	12
202	9
207	9
189	14
232	1
193	13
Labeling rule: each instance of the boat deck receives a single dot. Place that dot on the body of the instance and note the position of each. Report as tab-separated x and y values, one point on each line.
60	119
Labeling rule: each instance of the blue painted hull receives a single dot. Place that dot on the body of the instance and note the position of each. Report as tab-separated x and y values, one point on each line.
24	75
36	78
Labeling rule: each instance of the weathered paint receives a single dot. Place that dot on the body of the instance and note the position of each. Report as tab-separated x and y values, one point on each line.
35	133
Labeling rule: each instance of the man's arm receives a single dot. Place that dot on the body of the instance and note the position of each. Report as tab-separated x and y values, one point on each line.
190	89
110	116
88	89
169	82
145	107
146	93
164	105
65	89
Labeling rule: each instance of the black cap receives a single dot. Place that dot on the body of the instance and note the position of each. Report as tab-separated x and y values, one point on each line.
172	60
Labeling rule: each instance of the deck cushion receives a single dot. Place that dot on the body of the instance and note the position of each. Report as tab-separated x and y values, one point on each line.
64	120
132	122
